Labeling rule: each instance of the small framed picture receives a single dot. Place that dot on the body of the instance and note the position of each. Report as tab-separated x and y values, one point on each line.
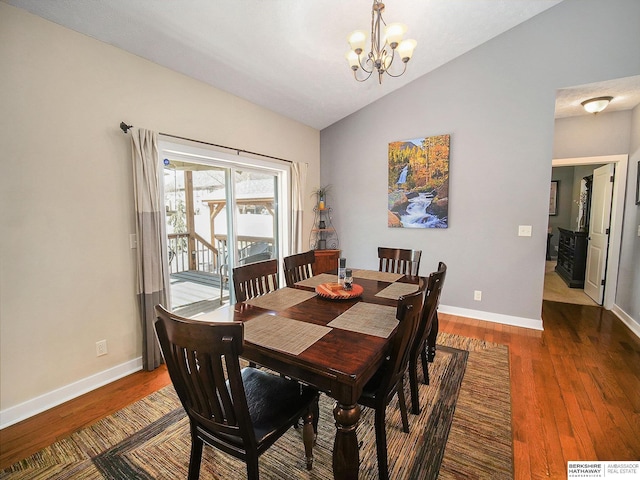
553	198
638	184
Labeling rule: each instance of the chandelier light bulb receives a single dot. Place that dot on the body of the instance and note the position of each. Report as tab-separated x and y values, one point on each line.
352	58
596	105
357	40
406	48
394	33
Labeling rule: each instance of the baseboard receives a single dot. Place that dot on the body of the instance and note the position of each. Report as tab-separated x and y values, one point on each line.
627	320
56	397
492	317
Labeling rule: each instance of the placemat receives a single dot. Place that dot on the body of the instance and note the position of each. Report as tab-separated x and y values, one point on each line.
316	280
396	290
283	334
281	299
379	276
368	318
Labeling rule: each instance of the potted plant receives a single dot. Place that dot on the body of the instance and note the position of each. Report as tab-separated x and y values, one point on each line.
321	196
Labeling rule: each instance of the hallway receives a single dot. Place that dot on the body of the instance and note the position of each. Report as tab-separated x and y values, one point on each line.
556	290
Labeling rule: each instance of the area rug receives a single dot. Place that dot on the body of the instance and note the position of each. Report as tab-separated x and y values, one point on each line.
463	431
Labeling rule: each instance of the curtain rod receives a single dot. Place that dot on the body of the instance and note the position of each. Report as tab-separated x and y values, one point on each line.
125	128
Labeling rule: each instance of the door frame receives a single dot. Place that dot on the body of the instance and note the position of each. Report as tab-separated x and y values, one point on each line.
617	212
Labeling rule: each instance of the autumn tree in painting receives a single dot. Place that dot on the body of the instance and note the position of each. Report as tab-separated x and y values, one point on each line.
428	160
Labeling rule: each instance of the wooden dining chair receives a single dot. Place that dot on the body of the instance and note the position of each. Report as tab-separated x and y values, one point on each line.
241	412
298	267
399	260
255	279
388	380
419	347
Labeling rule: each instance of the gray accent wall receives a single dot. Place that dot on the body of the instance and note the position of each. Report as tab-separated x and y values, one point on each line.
628	292
497	102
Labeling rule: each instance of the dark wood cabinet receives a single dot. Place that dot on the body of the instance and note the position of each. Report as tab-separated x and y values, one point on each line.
326	261
572	257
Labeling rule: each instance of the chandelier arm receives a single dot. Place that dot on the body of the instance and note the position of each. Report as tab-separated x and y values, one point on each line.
383	56
400	74
362	66
355	75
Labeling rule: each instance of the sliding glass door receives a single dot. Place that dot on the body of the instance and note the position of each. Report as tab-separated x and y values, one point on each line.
221	211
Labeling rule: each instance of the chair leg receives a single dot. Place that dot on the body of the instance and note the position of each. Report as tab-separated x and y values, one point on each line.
196	457
413	385
252	467
403	407
425	366
381	443
431	339
309	436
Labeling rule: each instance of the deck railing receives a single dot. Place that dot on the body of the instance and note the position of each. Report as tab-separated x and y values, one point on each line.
192	252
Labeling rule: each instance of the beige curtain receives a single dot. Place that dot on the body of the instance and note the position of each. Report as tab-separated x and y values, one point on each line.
298	181
153	277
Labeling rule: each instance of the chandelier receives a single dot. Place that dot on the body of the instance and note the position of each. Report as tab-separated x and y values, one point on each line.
379	58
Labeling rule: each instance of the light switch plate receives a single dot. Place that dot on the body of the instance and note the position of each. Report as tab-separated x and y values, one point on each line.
524	230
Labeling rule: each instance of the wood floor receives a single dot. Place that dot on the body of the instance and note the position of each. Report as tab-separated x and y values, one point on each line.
575	392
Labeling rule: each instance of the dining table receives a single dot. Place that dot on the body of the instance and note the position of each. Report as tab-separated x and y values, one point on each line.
325	337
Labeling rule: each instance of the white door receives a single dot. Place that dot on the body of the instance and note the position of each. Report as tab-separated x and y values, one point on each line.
599	223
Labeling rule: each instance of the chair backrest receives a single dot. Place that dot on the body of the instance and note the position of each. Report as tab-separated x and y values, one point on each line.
197	355
399	260
298	267
431	302
255	279
408	314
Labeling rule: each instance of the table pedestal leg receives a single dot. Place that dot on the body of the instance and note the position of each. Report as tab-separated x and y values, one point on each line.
346	458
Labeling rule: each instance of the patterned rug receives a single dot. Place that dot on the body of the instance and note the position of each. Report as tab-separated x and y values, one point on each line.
463	431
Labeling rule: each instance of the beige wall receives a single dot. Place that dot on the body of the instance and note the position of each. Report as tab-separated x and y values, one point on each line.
66	270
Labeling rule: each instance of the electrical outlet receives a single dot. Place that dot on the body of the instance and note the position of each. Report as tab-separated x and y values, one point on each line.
101	348
133	240
477	295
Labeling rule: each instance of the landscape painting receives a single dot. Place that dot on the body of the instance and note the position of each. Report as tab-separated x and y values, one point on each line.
418	193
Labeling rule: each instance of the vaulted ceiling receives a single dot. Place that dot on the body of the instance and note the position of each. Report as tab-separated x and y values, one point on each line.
289	55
